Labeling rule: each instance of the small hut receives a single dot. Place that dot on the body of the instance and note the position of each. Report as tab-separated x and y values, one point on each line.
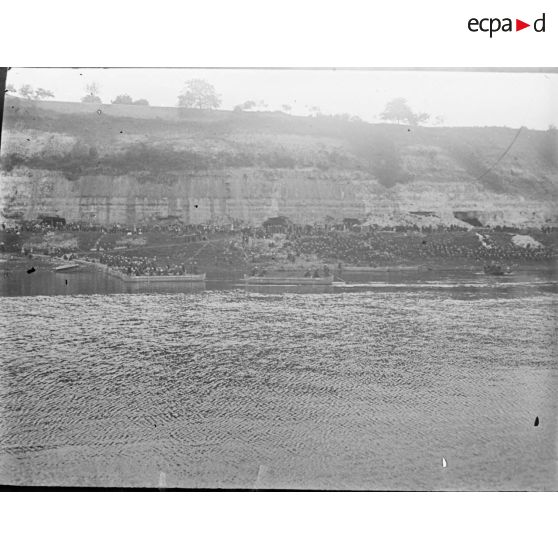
278	224
53	221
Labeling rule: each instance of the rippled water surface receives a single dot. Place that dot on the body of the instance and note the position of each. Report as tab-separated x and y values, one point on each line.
357	389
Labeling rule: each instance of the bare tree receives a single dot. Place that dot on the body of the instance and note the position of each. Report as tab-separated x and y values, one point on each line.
92	96
93	88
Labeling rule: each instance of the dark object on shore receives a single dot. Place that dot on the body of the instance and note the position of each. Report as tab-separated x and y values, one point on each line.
32	270
537	421
496	269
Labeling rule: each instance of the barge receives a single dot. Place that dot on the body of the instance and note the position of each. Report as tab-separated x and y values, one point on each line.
188	278
496	269
66	267
286	280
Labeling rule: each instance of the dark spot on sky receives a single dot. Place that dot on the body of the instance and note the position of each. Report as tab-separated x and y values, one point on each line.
537	421
32	270
196	206
121	132
99	112
408	129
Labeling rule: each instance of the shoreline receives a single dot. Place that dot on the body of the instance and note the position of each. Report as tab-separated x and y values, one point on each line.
18	278
210	271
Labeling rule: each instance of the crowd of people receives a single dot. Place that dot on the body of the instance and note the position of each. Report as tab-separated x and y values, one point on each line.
376	246
136	266
162	226
352	245
314	272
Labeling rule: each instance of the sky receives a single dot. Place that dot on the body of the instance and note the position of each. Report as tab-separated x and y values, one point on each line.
460	98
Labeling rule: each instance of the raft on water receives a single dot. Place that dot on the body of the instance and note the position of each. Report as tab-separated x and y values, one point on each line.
190	278
66	267
495	269
285	280
355	268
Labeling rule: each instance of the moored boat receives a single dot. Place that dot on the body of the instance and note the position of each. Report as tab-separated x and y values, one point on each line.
496	269
189	278
356	269
287	280
66	267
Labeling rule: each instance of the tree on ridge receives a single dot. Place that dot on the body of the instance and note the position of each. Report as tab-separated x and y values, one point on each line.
397	110
200	94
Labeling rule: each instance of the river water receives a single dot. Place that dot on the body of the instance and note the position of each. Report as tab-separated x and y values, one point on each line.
367	386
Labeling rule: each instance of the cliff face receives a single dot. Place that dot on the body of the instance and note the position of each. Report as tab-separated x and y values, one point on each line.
129	164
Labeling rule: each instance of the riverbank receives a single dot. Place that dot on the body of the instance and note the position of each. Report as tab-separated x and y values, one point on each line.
231	254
